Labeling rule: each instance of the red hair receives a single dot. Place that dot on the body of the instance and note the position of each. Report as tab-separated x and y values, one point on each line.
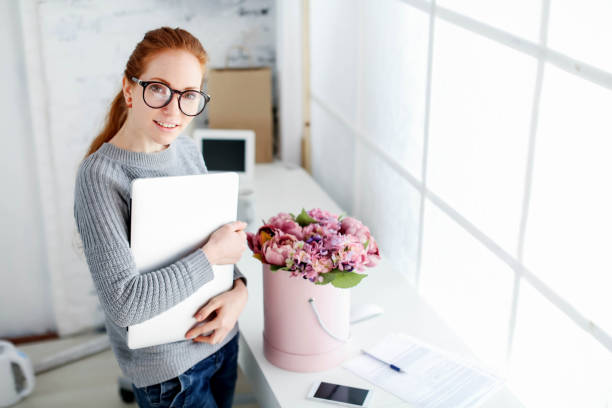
154	41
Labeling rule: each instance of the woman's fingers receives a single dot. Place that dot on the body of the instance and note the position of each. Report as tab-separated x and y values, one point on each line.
227	307
204	328
214	338
238	225
212	305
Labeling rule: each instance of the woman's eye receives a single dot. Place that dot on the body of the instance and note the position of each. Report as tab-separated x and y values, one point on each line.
190	96
157	88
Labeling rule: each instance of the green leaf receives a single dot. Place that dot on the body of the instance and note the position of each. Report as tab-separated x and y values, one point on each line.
275	268
365	245
347	280
341	216
304	219
327	278
292	216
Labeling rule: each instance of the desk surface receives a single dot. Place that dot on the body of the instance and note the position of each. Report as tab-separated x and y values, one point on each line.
280	188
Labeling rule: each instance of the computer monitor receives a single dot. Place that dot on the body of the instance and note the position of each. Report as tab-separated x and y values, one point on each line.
228	150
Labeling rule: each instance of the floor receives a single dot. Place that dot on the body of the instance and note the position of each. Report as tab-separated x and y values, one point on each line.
91	381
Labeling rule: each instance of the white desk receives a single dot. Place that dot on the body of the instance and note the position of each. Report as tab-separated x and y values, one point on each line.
285	189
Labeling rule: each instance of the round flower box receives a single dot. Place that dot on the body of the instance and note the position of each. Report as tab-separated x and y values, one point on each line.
293	337
309	263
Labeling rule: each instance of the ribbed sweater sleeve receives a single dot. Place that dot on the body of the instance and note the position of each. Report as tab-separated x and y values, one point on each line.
102	217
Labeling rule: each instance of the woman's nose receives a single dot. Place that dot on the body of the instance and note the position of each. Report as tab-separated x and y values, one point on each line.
173	105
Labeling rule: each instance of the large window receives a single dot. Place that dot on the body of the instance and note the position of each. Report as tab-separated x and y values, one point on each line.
481	129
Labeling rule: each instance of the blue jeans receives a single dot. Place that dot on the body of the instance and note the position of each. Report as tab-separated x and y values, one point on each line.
208	384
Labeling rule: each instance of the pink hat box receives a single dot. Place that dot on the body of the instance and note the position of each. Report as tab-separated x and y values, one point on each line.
294	338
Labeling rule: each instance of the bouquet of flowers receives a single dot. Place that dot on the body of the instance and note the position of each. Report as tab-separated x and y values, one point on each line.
317	245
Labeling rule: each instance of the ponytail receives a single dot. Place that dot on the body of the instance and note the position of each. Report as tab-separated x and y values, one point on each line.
115	118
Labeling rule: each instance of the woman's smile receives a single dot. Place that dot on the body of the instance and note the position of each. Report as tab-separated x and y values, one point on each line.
166	126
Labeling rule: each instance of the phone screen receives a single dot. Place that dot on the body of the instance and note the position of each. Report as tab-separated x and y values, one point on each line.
341	393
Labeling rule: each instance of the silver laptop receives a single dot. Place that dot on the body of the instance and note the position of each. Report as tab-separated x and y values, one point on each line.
170	218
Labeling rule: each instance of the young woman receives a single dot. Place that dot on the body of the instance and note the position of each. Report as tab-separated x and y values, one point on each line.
143	137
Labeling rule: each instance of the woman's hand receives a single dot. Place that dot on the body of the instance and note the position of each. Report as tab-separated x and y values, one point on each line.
227	307
226	244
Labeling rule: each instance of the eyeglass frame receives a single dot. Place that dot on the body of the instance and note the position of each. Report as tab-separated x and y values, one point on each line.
144	85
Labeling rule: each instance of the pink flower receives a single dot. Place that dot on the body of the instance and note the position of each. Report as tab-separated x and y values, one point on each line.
351	226
373	253
351	256
322	265
278	249
321	215
264	233
285	223
326	219
337	242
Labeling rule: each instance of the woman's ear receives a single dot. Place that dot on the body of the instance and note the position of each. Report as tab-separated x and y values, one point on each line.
127	91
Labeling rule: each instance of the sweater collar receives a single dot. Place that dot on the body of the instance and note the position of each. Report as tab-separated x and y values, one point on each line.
139	159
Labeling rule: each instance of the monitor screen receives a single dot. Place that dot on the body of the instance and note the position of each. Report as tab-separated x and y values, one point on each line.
224	154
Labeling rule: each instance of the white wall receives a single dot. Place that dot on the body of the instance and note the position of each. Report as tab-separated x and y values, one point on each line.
289	65
25	297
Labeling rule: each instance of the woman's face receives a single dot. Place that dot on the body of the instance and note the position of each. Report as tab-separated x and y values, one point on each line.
178	69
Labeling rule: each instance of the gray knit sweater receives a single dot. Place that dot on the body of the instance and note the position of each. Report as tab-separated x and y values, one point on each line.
101	211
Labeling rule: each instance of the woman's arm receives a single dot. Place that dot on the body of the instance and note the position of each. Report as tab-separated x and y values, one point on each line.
126	296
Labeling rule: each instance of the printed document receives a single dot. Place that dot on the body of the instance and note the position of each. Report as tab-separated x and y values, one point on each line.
432	378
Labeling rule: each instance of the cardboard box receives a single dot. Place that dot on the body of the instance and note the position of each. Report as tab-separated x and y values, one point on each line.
241	98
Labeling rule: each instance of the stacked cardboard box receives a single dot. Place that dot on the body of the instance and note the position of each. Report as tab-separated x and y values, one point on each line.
241	98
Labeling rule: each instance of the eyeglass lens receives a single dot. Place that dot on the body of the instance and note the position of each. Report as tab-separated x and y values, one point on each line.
190	102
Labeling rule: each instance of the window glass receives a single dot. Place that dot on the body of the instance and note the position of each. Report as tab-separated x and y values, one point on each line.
481	107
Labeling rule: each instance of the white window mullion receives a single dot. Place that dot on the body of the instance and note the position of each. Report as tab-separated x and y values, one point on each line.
432	19
356	152
528	173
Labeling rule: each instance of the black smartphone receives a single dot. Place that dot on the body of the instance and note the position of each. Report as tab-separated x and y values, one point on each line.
340	394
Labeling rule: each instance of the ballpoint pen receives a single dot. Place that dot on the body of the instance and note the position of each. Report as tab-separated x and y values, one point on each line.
391	366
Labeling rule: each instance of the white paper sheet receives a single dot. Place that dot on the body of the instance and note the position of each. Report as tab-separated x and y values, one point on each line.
432	378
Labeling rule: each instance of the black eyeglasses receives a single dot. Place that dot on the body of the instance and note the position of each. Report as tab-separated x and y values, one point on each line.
157	95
